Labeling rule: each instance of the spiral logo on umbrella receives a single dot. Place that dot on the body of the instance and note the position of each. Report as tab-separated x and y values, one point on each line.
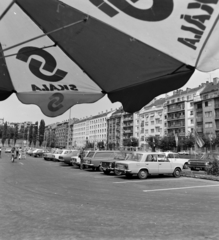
160	9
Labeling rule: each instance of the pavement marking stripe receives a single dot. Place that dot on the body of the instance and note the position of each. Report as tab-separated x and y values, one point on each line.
170	189
155	180
21	163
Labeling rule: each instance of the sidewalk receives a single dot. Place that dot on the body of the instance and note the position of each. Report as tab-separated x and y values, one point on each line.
199	174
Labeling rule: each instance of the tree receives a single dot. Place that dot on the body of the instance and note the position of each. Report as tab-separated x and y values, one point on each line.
35	133
4	133
100	145
41	132
9	135
15	133
167	143
153	142
25	133
30	137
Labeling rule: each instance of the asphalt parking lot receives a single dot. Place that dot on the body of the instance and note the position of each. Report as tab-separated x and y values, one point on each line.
49	200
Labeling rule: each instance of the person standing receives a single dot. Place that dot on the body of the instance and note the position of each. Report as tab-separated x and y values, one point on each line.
0	152
13	153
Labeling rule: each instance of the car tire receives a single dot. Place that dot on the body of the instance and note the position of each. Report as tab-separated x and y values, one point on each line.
186	166
143	174
177	172
107	172
117	173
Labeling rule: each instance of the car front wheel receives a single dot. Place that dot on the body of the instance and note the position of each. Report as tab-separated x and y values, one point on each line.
177	172
143	174
107	172
186	166
117	173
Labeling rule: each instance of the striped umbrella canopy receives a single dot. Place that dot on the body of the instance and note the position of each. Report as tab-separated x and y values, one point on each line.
56	54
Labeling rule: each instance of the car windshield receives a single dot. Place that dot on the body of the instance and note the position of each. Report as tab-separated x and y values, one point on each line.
75	153
59	152
90	154
134	157
120	156
173	155
211	156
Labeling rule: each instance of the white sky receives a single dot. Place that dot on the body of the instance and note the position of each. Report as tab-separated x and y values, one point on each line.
12	110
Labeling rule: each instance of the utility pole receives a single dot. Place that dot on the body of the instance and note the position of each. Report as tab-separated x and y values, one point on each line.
69	132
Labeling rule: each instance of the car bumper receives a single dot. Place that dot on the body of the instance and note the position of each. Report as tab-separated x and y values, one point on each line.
123	171
88	164
107	168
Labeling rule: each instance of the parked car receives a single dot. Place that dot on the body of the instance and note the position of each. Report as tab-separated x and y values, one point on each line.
108	165
175	157
183	153
94	158
37	153
29	151
76	158
60	153
144	164
66	158
49	155
204	162
8	150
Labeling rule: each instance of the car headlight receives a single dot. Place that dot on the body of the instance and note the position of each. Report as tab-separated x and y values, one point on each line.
207	163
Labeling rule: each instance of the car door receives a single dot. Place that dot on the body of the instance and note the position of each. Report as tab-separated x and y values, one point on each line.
152	164
164	164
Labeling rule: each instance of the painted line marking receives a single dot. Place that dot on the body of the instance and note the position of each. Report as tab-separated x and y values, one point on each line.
170	189
151	180
21	163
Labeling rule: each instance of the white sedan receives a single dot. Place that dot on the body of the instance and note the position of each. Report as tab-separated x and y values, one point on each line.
144	164
8	150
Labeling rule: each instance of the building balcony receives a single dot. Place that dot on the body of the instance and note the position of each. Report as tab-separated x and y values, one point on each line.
127	131
199	129
199	109
128	119
175	118
176	126
175	110
199	119
216	116
216	105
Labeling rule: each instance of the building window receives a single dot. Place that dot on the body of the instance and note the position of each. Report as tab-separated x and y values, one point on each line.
152	130
191	113
192	121
208	114
208	125
191	104
207	104
152	122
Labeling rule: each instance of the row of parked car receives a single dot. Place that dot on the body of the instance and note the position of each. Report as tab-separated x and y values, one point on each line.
127	163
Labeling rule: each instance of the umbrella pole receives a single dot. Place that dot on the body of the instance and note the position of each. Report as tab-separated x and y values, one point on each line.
68	136
7	9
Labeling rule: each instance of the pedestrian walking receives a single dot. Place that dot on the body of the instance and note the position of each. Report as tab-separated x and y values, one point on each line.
13	154
20	151
17	152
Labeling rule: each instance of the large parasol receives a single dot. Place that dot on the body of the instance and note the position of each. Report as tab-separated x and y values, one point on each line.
56	54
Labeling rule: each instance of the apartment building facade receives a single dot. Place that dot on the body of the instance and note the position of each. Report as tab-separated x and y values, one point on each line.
61	134
151	120
207	109
180	111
